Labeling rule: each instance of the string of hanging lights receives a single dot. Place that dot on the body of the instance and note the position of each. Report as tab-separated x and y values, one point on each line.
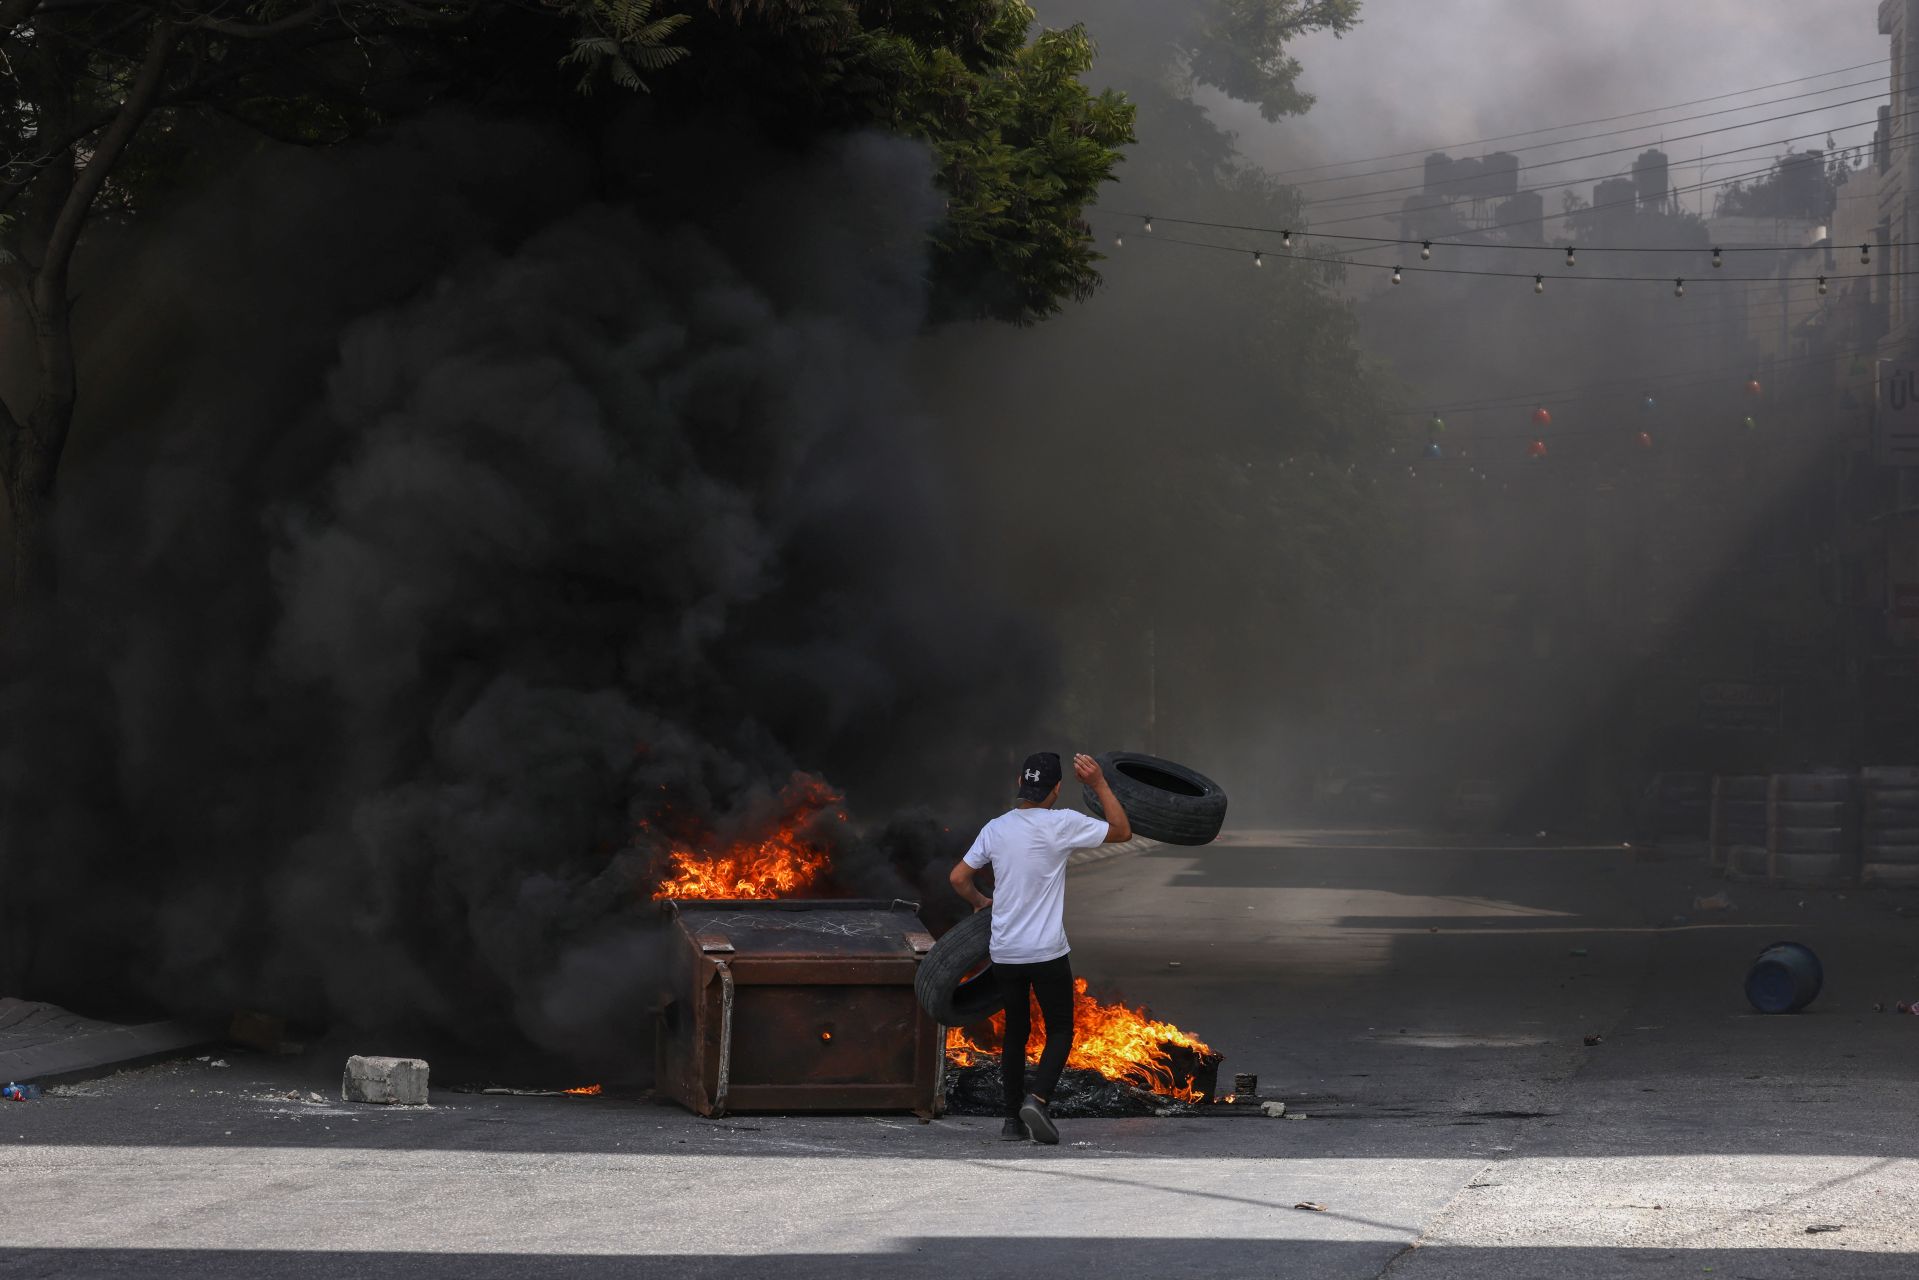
1396	272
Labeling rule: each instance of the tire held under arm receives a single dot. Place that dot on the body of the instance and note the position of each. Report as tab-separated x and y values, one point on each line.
945	992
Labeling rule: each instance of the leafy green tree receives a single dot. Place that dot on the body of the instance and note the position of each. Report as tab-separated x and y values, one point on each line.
1240	48
115	96
622	38
1801	184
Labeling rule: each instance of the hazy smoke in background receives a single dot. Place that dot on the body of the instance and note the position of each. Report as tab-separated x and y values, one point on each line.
1414	76
1238	602
385	626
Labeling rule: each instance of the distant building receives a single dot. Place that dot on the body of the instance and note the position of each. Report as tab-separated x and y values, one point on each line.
1870	324
1472	194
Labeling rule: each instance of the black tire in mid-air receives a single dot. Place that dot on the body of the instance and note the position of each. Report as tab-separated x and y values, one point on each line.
1163	801
945	991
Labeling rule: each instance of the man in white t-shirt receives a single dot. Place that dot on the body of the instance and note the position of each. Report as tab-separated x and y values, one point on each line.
1027	848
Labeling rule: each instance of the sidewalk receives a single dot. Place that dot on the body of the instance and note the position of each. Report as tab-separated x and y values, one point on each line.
45	1043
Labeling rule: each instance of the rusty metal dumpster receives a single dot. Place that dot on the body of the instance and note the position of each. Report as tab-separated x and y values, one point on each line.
797	1005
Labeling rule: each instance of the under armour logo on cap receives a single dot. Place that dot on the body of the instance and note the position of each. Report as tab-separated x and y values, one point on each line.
1039	776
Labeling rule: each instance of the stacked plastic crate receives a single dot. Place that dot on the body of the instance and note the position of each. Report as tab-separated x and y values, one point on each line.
1737	828
1889	826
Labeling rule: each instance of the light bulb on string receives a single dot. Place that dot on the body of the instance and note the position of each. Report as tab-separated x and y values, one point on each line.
1649	404
1119	241
1542	417
1286	239
1753	388
1258	260
1149	223
1537	449
1539	284
1717	261
1437	424
1425	251
1865	255
1395	275
1679	288
1571	261
1748	422
1822	286
1645	439
1434	451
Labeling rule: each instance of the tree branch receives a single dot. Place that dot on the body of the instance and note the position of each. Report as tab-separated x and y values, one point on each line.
13	13
192	90
73	215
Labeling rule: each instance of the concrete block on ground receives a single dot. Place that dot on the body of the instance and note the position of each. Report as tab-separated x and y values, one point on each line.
385	1080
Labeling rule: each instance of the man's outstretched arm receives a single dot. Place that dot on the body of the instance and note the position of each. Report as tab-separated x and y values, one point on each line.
1119	828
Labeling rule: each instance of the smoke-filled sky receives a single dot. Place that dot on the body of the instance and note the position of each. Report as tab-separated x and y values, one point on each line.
1416	75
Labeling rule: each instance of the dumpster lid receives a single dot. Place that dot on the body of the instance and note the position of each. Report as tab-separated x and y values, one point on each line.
801	926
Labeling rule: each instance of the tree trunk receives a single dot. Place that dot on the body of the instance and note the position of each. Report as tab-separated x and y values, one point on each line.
29	481
58	209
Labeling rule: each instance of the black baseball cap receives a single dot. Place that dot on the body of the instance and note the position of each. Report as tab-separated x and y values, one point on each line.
1039	775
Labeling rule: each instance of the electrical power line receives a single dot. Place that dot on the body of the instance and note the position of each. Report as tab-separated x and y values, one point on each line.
1454	241
1594	155
1538	277
1610	133
1580	124
1617	204
1562	247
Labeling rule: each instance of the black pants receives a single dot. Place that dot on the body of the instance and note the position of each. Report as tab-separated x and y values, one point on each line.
1052	982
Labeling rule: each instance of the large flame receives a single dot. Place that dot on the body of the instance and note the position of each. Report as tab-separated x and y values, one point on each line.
1119	1042
782	864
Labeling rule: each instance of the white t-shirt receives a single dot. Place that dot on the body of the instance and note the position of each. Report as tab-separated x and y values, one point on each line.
1027	849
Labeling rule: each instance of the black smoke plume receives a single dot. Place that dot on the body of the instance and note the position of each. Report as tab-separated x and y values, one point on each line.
449	544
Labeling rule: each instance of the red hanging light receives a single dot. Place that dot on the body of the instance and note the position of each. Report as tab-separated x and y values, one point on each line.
1753	388
1537	449
1541	418
1645	439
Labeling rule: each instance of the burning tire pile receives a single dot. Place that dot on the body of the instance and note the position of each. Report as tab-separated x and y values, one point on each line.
1124	1063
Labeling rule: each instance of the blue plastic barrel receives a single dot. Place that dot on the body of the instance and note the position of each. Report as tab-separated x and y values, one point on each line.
1785	978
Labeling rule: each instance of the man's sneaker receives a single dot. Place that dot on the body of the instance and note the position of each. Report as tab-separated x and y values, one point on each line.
1012	1131
1038	1123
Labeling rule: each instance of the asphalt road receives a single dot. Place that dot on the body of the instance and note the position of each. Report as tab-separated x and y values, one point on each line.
1424	1007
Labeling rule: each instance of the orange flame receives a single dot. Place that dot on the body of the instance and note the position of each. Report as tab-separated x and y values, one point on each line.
780	865
1119	1042
584	1091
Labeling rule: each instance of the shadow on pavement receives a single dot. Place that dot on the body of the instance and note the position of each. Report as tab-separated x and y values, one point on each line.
1161	1259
